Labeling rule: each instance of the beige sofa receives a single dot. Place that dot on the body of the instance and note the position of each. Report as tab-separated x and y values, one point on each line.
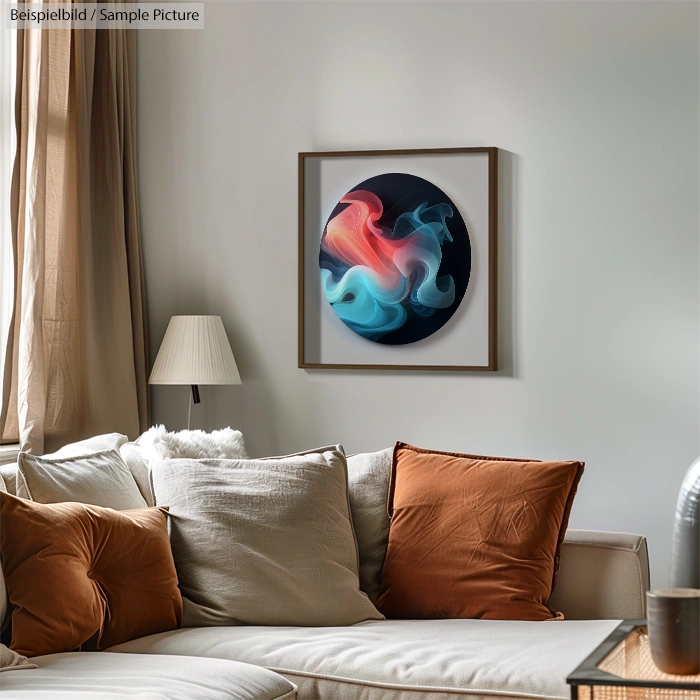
603	579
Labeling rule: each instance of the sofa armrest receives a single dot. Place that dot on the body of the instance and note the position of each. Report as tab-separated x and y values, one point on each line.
602	575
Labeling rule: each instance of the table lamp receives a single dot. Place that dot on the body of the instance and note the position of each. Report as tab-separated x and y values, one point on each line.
195	350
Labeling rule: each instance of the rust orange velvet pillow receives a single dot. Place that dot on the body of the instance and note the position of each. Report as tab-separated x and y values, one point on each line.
82	577
474	537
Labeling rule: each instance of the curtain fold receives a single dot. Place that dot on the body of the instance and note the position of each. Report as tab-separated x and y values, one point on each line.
77	352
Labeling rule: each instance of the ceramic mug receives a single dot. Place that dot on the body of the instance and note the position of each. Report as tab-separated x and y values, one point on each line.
673	622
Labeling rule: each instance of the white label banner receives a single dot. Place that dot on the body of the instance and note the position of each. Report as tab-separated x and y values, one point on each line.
143	15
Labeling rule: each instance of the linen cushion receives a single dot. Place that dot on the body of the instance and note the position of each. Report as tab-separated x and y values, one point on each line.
368	487
12	661
97	443
264	541
100	576
100	479
131	454
97	676
474	537
403	659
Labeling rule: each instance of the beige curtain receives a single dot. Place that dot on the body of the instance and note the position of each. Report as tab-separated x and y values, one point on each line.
77	357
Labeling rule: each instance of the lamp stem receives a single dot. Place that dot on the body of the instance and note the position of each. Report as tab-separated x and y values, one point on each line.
193	398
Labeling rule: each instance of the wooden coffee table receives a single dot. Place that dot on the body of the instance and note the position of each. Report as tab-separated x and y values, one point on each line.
621	668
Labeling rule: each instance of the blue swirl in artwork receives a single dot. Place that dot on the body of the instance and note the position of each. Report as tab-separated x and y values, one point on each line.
377	277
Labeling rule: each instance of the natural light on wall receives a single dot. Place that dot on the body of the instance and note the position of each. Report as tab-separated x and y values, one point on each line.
7	148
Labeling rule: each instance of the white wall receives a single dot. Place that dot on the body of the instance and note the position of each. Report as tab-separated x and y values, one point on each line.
595	106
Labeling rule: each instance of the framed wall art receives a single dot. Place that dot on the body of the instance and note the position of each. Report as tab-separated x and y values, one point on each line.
397	259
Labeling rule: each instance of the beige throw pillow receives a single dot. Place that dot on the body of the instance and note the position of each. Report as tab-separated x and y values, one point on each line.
130	452
99	479
97	443
264	541
12	661
369	474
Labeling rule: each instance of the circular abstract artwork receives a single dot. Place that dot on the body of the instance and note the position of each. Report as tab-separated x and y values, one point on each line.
395	259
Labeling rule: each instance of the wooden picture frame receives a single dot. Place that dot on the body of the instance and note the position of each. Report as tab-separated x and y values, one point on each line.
307	273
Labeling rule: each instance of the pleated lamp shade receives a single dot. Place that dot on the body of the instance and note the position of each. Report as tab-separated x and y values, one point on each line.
195	350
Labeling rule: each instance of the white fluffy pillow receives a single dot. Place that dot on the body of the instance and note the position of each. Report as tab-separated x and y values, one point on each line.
157	444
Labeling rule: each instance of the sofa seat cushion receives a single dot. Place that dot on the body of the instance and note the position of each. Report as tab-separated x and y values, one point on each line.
100	676
402	659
